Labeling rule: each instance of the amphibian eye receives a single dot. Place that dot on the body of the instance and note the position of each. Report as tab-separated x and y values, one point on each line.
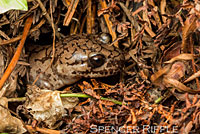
96	60
105	38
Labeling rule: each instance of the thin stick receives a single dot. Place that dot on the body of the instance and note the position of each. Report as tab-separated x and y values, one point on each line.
109	23
53	49
48	17
42	130
193	63
16	56
15	39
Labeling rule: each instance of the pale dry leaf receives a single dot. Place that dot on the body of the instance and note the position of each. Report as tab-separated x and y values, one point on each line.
181	96
156	76
188	28
177	71
162	9
9	124
47	105
70	12
172	51
196	8
183	56
188	127
145	15
195	75
170	82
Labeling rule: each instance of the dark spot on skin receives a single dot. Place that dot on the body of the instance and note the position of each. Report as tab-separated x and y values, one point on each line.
60	62
109	64
109	56
74	72
38	71
63	70
73	44
87	71
82	72
111	71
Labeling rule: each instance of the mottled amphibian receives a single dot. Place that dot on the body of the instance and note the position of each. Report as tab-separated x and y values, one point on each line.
76	56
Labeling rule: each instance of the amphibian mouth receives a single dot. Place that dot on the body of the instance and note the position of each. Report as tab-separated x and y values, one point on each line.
76	56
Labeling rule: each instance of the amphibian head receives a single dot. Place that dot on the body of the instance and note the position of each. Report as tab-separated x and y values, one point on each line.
76	56
88	56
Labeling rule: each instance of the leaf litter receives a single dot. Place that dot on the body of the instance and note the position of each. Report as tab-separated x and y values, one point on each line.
157	91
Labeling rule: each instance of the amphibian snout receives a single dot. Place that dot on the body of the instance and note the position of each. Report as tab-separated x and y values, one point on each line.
76	56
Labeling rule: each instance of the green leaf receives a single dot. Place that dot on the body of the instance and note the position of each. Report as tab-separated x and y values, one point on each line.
6	5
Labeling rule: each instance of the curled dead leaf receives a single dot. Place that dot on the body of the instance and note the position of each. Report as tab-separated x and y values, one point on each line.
177	71
173	51
178	85
195	75
47	105
169	77
188	28
183	56
9	123
156	78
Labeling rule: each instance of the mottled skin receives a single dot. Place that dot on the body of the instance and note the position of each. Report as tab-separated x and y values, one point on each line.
73	61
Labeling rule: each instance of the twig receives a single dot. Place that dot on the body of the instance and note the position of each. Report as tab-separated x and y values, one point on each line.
187	29
4	35
79	95
42	130
53	50
131	18
48	17
193	63
89	17
16	56
20	36
70	12
108	22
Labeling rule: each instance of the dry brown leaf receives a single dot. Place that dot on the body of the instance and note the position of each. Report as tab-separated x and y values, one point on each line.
90	17
156	16
170	75
162	9
149	31
188	127
157	76
66	2
9	123
181	96
172	51
145	15
130	17
188	28
70	12
195	75
109	23
183	56
47	106
178	85
139	10
177	71
42	130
